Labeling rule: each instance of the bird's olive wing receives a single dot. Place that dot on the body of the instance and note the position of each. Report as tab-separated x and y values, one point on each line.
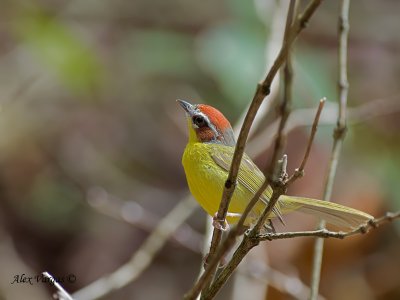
249	174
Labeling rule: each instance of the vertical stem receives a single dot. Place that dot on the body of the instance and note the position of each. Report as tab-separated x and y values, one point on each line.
288	68
286	103
338	136
246	245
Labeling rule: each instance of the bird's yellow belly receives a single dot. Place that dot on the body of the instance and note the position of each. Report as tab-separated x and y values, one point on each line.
206	181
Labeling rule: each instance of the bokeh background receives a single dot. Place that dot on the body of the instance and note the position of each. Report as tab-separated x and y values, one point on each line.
91	139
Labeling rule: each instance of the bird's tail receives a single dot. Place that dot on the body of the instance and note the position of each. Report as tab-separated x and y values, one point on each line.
333	213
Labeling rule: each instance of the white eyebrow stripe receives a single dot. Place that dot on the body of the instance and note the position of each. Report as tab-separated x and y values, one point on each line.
209	124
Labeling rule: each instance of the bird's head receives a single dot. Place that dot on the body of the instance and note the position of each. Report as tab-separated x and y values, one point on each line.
207	124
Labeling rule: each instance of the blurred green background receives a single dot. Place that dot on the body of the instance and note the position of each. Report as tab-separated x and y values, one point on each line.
88	118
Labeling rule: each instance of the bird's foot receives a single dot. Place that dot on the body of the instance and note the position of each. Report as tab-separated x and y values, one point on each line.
223	224
268	228
219	224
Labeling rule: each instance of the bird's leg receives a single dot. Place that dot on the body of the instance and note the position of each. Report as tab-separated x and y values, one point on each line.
223	224
219	224
268	227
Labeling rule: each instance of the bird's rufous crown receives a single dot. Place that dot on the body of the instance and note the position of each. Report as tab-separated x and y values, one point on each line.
215	116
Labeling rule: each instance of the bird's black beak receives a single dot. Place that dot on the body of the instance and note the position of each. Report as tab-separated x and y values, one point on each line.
189	108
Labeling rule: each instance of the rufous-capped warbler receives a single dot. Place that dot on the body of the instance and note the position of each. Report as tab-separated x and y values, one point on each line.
207	159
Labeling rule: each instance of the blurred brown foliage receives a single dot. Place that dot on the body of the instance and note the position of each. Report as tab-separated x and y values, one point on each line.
88	89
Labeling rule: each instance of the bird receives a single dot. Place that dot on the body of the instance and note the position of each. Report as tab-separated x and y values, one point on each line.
206	161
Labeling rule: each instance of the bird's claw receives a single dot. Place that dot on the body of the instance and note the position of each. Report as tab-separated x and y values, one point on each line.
220	224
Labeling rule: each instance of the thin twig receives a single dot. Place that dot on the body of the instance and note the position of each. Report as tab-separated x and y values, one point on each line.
263	90
285	106
249	241
61	293
338	136
281	186
303	116
299	172
324	233
135	214
288	68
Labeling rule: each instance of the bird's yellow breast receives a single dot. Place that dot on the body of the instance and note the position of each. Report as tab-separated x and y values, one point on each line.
206	180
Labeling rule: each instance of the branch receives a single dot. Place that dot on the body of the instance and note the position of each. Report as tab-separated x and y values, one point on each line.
302	116
135	214
338	136
324	233
251	240
61	293
299	172
285	106
280	186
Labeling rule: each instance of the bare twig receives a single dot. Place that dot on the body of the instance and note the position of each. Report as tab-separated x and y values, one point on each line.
324	233
338	136
303	116
61	293
281	186
288	68
135	214
142	257
299	172
251	240
285	106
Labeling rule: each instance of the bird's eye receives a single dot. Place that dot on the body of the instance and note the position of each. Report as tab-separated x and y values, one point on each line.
199	121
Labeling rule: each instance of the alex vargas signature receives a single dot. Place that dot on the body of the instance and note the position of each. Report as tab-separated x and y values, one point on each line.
24	278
